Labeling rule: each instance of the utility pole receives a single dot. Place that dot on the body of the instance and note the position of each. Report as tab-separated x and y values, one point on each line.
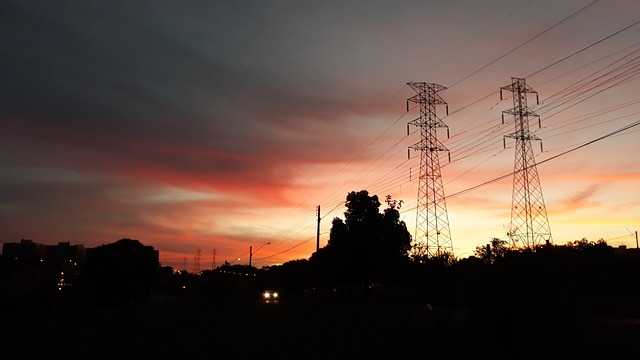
636	235
432	236
213	259
251	252
529	224
318	230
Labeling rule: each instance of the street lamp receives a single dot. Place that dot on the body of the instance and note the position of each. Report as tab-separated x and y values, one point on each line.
227	263
251	252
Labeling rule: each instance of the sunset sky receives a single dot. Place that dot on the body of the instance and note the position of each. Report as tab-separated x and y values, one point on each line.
204	128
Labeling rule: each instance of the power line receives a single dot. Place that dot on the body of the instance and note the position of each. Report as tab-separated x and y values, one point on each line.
472	148
524	43
585	48
547	159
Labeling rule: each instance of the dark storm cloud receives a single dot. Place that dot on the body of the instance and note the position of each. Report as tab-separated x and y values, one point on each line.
122	85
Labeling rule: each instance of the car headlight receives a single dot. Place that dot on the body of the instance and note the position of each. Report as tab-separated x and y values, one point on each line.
270	295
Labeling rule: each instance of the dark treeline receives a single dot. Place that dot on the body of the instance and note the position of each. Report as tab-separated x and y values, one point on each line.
499	297
368	252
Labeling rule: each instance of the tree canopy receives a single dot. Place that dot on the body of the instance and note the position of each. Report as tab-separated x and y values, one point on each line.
119	273
367	246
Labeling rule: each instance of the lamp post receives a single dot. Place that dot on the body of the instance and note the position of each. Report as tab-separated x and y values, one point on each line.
251	252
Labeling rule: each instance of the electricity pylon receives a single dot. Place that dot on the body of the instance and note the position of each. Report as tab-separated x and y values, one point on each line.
529	224
196	262
432	236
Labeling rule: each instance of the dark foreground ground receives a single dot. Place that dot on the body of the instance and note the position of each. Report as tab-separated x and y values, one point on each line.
309	327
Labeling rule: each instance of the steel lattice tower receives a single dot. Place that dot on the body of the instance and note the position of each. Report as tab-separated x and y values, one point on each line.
432	236
196	262
529	224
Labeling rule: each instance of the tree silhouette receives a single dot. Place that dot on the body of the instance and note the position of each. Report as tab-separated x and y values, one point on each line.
496	249
367	247
119	273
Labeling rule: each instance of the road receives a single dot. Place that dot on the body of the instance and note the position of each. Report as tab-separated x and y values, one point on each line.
306	328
